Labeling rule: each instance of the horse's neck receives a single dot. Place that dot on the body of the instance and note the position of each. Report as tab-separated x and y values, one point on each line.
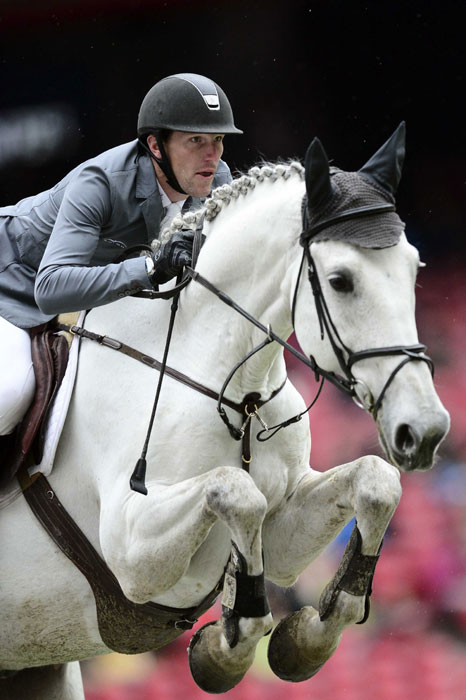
251	254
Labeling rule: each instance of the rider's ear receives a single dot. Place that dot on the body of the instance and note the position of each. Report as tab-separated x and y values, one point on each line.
153	145
317	173
384	168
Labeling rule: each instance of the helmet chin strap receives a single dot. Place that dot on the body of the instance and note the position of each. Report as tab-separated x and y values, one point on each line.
163	162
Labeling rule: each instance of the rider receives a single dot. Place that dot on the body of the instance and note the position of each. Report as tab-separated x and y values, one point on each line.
58	247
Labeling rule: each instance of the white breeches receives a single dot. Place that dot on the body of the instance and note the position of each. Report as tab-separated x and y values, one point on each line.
17	381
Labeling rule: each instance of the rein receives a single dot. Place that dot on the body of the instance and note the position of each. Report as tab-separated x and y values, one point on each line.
248	408
138	477
346	358
252	402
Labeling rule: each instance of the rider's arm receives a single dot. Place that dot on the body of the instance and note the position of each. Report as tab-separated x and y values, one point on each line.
66	281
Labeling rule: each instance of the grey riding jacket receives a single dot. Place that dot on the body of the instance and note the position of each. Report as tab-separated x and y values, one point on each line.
57	248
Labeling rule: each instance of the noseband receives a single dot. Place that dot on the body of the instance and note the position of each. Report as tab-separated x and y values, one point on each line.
346	357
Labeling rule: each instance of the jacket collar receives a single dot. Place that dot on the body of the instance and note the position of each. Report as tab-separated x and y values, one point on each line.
146	181
148	192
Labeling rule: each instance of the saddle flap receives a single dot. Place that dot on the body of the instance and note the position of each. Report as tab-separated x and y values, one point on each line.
50	357
59	351
43	370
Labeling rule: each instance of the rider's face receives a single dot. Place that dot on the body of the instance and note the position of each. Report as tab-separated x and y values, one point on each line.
194	159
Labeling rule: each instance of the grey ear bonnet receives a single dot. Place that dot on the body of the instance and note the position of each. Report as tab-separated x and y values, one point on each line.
354	197
350	191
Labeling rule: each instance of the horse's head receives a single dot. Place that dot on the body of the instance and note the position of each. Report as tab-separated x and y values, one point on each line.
360	284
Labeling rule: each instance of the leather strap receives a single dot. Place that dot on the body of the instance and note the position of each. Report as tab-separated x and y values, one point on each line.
124	626
250	404
147	360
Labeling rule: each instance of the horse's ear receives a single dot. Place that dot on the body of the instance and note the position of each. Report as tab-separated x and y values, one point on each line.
384	168
317	172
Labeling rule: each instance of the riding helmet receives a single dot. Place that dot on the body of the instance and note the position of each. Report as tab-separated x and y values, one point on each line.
183	102
186	102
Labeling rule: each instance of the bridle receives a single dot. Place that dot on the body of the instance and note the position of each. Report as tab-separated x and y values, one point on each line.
252	402
348	383
346	357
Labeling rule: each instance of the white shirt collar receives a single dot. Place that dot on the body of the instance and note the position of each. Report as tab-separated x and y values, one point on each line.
166	202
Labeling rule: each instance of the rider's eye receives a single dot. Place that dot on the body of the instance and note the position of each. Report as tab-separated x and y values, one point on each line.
341	282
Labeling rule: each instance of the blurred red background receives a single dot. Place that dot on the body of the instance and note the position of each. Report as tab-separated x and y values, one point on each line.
73	75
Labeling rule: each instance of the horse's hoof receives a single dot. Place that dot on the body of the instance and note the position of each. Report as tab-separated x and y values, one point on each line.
208	673
293	654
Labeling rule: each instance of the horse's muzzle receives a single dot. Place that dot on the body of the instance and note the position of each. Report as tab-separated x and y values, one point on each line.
413	446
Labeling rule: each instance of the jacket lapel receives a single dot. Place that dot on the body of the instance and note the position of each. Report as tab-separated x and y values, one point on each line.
148	192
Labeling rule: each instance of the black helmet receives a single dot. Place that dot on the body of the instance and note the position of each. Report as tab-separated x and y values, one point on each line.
186	102
183	102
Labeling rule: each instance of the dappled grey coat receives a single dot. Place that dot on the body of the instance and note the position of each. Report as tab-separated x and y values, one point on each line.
72	233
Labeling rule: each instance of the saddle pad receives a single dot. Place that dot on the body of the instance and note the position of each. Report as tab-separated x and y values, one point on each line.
55	423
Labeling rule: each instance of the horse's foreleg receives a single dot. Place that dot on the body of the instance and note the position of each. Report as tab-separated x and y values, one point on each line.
149	542
220	653
322	504
151	545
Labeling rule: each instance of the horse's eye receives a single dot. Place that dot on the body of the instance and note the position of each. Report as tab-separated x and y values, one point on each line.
341	282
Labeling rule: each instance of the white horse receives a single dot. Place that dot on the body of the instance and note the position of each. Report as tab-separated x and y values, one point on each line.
172	545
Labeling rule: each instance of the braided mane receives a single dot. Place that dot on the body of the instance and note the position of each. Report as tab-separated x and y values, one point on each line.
222	196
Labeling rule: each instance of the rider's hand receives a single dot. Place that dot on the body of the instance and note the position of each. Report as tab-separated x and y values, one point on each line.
172	256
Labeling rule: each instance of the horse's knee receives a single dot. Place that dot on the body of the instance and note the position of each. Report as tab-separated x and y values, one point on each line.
232	494
234	499
378	488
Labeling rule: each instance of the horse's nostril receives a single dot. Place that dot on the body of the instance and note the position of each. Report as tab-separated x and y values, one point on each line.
435	437
405	439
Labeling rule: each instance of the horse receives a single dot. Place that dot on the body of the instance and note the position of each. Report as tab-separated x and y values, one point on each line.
311	249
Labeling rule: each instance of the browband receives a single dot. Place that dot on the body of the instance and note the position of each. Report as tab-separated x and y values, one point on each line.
344	216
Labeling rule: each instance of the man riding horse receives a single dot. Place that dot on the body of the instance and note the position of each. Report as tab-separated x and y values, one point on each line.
58	248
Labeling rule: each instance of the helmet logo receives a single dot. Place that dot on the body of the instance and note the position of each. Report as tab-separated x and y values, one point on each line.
212	101
204	86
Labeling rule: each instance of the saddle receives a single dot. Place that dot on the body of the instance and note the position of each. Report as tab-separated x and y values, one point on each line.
50	357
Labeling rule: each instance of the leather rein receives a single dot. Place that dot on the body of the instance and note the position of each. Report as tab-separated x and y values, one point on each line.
346	357
153	619
251	403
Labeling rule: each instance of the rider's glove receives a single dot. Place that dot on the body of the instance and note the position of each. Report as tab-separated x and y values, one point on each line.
171	257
